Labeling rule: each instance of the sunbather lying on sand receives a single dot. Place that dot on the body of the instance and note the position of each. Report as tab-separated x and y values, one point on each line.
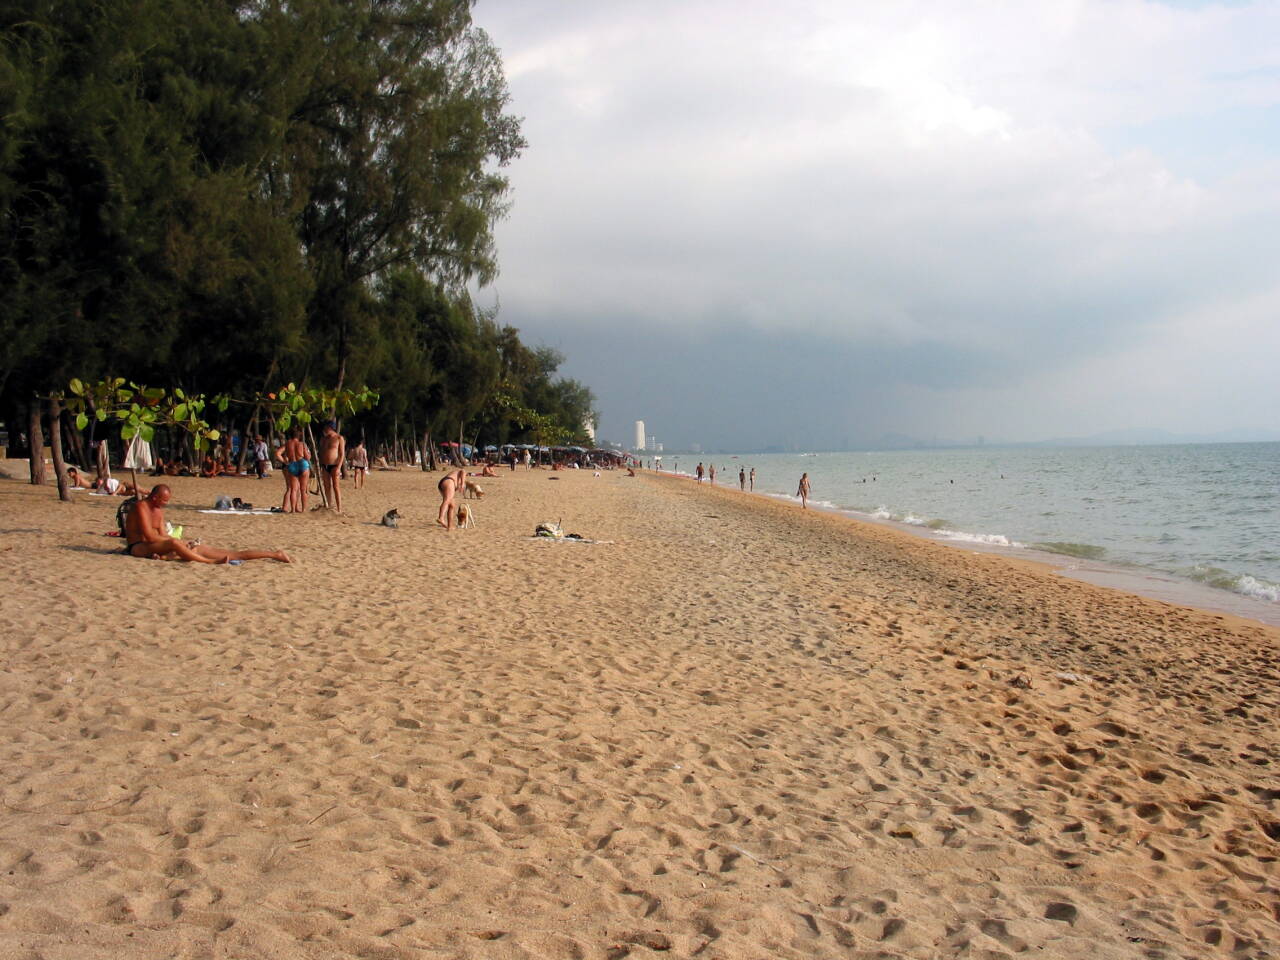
144	528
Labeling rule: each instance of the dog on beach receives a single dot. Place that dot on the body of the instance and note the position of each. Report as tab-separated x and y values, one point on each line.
472	490
466	516
391	518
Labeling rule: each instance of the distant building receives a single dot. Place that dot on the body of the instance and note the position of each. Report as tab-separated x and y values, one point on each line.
639	434
589	427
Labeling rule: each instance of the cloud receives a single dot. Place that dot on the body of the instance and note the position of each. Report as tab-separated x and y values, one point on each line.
918	200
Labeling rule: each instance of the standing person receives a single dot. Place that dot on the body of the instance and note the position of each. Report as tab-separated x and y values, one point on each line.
711	472
528	461
742	478
359	464
448	487
296	458
803	491
333	450
261	456
699	471
752	479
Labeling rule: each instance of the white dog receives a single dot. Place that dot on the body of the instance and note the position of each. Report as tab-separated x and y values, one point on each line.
466	516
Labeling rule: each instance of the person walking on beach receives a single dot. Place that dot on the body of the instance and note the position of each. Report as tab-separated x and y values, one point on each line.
803	491
296	458
261	456
742	478
699	472
359	465
333	450
448	488
752	480
711	472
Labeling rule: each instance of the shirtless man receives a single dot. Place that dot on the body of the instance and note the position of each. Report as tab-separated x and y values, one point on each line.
144	530
297	472
448	487
333	451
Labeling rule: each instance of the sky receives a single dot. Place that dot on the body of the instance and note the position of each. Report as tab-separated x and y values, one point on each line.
811	225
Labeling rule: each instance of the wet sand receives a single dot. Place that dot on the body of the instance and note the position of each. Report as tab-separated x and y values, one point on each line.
737	730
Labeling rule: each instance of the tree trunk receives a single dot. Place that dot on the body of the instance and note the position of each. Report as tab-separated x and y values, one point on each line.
426	446
250	428
55	444
77	441
315	456
36	444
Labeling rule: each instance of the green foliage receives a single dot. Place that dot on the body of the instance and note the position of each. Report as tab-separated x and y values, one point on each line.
291	406
222	196
139	409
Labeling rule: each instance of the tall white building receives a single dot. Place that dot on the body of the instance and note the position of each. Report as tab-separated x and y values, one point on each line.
639	435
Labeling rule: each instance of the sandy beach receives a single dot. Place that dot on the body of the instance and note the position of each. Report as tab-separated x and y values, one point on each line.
730	729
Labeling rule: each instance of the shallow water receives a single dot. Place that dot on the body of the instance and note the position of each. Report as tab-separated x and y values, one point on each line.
1204	514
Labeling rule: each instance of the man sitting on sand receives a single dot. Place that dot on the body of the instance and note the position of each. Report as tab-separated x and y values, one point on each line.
144	530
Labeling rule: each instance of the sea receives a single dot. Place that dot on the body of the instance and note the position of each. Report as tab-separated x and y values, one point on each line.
1197	524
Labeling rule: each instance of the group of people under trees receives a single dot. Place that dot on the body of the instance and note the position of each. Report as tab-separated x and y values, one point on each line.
295	455
146	534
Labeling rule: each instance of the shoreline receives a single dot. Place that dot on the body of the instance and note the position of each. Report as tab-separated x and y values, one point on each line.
727	729
1142	581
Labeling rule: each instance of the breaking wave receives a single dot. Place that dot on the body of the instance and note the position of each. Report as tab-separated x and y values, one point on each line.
1241	583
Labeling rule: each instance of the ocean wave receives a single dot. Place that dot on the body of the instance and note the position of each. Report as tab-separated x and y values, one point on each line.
1085	551
1241	583
991	539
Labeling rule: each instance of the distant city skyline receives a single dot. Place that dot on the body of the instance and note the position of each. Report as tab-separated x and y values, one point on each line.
824	223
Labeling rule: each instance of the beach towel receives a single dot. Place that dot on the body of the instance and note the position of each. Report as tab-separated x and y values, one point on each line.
257	512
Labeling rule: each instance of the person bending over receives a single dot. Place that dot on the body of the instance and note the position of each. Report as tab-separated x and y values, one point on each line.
144	530
449	486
